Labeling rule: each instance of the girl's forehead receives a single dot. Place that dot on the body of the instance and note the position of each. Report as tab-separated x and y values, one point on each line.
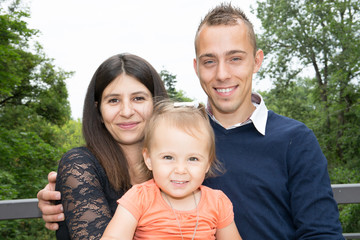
193	129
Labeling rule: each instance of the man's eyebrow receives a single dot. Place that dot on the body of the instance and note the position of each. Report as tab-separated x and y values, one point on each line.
235	52
207	55
228	53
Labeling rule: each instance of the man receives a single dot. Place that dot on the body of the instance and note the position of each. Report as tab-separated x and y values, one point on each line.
276	173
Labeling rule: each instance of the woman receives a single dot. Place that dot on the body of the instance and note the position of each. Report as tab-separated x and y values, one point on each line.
118	103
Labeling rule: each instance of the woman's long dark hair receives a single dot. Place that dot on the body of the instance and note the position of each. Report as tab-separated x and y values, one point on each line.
98	139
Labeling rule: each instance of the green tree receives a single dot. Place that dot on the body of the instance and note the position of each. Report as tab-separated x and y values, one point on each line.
170	82
318	38
70	134
27	77
33	104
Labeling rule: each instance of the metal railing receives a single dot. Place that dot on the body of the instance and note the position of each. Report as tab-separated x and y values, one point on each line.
345	194
19	209
28	208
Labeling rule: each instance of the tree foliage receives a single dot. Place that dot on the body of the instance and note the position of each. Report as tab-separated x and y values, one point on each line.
319	39
33	106
170	82
27	77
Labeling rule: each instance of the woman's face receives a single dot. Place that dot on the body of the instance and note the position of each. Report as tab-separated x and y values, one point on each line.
126	105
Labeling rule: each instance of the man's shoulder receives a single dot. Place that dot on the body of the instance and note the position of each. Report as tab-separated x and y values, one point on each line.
275	118
284	125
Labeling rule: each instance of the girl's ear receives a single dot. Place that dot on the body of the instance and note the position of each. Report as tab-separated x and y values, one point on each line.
207	169
147	159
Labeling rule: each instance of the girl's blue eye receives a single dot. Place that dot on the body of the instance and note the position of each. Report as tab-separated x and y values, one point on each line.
168	157
193	159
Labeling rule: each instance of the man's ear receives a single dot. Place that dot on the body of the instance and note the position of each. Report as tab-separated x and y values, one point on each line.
195	67
259	57
147	159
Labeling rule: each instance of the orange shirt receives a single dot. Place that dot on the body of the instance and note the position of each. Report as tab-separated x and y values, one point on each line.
156	219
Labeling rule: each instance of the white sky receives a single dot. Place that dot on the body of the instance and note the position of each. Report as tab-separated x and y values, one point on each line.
80	34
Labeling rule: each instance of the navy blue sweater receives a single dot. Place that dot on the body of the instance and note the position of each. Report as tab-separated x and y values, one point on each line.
278	183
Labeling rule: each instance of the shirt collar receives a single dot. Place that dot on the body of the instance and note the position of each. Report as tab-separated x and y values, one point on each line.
258	117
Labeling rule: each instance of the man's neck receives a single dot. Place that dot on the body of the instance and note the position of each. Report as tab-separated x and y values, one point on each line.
230	119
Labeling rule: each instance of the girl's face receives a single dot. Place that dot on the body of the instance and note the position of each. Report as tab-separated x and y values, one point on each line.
126	105
178	161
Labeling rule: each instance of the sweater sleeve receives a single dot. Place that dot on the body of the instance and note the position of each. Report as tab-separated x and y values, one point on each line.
314	210
86	209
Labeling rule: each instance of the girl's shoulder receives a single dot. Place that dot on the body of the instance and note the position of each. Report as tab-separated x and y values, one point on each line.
214	195
146	188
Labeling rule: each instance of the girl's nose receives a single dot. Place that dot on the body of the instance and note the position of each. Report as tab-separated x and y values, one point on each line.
180	167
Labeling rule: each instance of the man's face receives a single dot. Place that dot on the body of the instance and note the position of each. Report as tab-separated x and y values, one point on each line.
225	63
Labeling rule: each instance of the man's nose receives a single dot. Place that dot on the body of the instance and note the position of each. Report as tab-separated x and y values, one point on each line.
222	71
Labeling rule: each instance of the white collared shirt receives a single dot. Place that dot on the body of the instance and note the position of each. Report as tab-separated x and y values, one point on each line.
258	117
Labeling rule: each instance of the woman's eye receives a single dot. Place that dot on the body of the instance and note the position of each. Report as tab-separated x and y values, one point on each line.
193	159
139	99
113	100
168	157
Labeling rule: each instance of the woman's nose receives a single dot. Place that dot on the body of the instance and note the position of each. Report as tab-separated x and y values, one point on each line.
127	109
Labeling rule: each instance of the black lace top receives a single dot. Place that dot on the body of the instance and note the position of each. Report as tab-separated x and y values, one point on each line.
88	199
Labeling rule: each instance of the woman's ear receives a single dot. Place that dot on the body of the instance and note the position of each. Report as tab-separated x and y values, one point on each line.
147	159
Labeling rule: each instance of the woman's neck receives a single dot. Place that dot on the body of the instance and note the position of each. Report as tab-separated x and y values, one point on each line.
133	154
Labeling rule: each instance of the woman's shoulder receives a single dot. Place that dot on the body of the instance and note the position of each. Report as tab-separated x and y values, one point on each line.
78	154
81	159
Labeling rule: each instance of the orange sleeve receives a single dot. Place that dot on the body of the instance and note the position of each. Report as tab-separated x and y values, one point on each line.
133	201
226	213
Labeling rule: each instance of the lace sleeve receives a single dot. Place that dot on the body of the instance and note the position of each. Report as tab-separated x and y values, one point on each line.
81	183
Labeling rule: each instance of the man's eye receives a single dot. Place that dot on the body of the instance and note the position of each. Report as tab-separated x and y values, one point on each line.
208	62
236	59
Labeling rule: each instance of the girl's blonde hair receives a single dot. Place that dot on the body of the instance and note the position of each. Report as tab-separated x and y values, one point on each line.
192	120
